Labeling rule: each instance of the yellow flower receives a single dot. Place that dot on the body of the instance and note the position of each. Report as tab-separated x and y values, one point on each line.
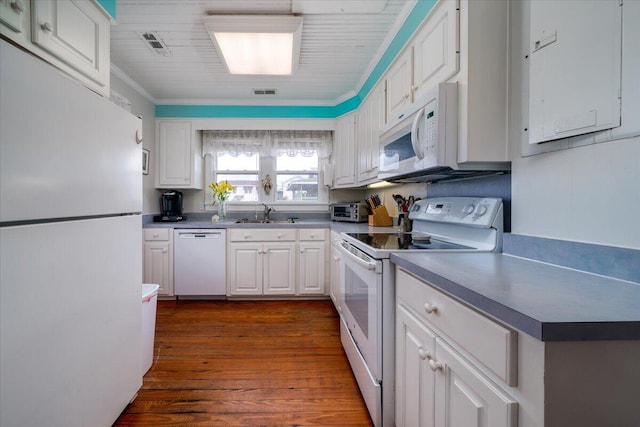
222	190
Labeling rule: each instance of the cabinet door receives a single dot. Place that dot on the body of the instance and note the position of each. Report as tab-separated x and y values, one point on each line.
244	269
415	381
435	48
174	144
370	120
12	13
279	268
157	266
399	79
76	32
465	397
344	152
362	142
311	280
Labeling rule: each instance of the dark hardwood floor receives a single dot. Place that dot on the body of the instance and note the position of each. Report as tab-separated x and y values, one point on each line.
266	363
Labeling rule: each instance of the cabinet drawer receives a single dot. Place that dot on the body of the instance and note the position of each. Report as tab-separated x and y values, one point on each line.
490	343
312	234
156	234
262	235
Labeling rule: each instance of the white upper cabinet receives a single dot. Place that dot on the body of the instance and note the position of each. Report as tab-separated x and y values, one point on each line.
344	149
12	13
431	57
369	121
399	80
179	155
435	48
72	35
76	32
575	57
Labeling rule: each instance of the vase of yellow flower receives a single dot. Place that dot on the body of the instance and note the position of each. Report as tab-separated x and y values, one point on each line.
221	192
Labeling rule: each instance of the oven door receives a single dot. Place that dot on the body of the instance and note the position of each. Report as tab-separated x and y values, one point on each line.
361	304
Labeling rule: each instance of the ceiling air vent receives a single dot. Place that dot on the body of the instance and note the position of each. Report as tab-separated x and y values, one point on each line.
157	45
264	91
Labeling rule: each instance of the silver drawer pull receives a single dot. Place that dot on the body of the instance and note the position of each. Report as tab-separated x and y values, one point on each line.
430	308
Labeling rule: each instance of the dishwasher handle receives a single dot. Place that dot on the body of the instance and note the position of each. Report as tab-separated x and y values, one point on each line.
199	234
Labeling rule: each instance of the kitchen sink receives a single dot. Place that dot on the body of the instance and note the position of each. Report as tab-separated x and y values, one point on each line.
262	221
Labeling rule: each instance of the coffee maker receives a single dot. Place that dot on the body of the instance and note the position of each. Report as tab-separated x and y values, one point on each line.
171	207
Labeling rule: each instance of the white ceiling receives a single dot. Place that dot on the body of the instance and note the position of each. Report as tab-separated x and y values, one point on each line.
338	50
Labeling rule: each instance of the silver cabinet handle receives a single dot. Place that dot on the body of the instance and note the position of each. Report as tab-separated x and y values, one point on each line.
46	27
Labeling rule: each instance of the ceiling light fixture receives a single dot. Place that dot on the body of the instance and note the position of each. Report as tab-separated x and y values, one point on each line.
257	44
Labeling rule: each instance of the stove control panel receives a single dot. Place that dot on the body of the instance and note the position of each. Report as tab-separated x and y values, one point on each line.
479	212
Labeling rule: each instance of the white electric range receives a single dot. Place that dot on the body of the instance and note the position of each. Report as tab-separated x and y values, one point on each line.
367	297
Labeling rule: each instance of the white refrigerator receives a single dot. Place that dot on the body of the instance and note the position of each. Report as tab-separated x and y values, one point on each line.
70	249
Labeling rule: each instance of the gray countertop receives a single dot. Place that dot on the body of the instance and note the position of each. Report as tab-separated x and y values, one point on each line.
340	227
548	302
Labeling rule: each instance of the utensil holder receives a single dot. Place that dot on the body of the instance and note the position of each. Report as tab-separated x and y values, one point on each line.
380	218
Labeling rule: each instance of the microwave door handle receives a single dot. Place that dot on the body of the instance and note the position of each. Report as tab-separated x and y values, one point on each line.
415	141
357	259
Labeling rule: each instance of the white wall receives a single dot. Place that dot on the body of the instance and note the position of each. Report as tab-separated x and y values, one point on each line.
143	107
589	194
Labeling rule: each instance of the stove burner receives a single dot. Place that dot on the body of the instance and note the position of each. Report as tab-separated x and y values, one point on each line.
403	241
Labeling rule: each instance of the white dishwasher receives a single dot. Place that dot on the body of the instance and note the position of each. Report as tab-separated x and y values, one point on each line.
199	262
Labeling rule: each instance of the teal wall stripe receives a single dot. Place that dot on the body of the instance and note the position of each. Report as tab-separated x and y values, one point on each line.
246	111
109	6
413	21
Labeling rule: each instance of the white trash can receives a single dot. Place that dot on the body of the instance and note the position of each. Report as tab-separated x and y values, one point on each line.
149	304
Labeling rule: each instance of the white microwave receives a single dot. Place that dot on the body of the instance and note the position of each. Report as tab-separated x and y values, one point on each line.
425	141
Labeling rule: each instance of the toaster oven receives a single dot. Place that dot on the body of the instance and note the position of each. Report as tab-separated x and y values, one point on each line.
349	212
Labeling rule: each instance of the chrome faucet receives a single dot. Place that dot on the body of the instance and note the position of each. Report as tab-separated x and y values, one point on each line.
267	211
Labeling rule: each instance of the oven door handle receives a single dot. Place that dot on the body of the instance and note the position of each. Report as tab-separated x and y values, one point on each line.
357	259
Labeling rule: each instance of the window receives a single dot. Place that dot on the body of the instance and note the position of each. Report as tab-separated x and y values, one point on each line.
242	171
291	159
297	177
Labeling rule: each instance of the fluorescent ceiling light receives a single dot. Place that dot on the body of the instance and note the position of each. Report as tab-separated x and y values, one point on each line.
257	44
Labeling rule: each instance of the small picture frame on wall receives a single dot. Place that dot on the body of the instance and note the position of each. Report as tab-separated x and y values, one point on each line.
145	161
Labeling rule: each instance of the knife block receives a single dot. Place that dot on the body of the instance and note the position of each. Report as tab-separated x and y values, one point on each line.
380	217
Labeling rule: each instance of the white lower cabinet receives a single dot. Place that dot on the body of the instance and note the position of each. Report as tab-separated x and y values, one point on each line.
415	381
456	366
436	386
312	262
464	396
261	262
276	262
158	259
258	268
279	268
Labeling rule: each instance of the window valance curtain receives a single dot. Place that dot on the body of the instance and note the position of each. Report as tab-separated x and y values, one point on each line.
234	142
274	142
301	142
